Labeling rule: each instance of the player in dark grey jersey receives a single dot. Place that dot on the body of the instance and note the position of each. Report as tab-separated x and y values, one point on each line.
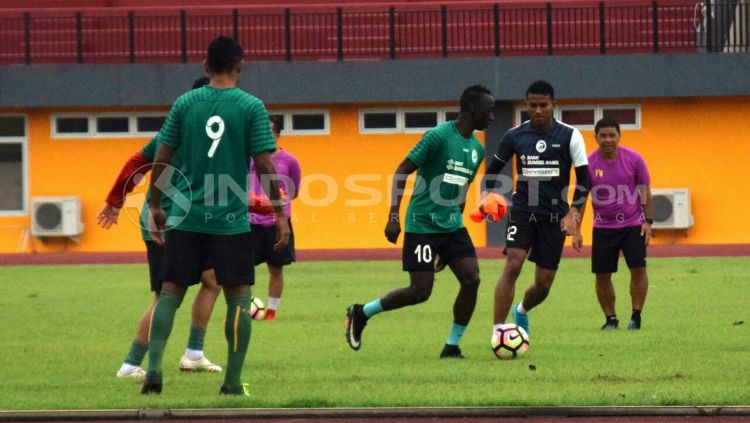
540	217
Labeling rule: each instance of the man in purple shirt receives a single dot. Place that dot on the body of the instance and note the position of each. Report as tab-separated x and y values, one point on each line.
263	225
621	199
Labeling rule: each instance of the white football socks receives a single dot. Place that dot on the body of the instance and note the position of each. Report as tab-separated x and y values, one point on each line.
127	368
520	308
194	355
273	303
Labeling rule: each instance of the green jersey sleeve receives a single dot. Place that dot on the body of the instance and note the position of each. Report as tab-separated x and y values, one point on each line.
425	148
149	150
169	134
260	137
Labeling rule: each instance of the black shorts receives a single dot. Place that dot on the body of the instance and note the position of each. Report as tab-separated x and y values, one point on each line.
263	239
420	250
539	233
186	252
155	252
607	244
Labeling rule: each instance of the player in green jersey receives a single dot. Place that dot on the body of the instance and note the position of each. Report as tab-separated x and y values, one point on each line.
193	359
215	130
446	161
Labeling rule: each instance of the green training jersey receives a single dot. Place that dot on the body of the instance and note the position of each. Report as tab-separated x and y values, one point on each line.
215	131
446	164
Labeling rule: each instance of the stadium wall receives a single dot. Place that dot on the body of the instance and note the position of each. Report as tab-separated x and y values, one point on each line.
689	118
342	202
683	140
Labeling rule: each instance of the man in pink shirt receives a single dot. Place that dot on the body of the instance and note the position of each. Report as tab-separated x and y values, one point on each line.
621	199
263	226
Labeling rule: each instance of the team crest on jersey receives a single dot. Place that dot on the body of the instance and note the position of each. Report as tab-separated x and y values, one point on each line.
599	173
474	156
541	146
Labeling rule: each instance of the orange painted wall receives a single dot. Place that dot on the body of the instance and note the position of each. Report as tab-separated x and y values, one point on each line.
693	143
331	212
352	219
697	143
83	167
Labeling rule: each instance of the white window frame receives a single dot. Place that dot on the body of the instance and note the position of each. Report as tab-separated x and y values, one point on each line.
24	165
401	119
598	114
288	114
93	133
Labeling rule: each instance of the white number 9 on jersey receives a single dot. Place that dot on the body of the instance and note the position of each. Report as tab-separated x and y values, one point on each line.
215	135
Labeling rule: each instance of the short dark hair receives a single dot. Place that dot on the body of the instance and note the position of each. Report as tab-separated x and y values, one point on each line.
472	96
542	88
224	53
203	80
276	121
606	122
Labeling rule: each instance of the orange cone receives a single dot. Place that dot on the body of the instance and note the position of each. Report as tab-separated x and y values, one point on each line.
493	206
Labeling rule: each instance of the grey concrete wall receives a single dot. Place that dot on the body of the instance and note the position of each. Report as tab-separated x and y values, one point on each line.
579	77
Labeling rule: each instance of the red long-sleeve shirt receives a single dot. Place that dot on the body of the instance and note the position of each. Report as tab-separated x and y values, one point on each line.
137	164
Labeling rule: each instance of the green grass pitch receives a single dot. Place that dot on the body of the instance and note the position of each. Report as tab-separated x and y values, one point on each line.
64	331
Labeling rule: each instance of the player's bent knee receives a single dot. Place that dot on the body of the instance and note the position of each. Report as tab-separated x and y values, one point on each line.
471	282
638	271
236	290
544	285
420	295
513	267
604	279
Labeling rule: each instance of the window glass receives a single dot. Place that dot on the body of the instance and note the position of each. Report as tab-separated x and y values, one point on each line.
11	176
72	125
385	120
112	124
578	116
12	126
149	123
623	116
420	119
312	122
279	118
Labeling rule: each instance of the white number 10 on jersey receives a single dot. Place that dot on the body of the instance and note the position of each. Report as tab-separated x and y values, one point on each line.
215	135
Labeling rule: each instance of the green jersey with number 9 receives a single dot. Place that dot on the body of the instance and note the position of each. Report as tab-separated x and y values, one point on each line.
217	130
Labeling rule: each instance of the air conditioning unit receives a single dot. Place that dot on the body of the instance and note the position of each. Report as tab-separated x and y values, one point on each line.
671	207
56	216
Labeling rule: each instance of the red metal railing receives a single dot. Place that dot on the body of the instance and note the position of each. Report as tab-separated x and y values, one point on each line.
378	31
